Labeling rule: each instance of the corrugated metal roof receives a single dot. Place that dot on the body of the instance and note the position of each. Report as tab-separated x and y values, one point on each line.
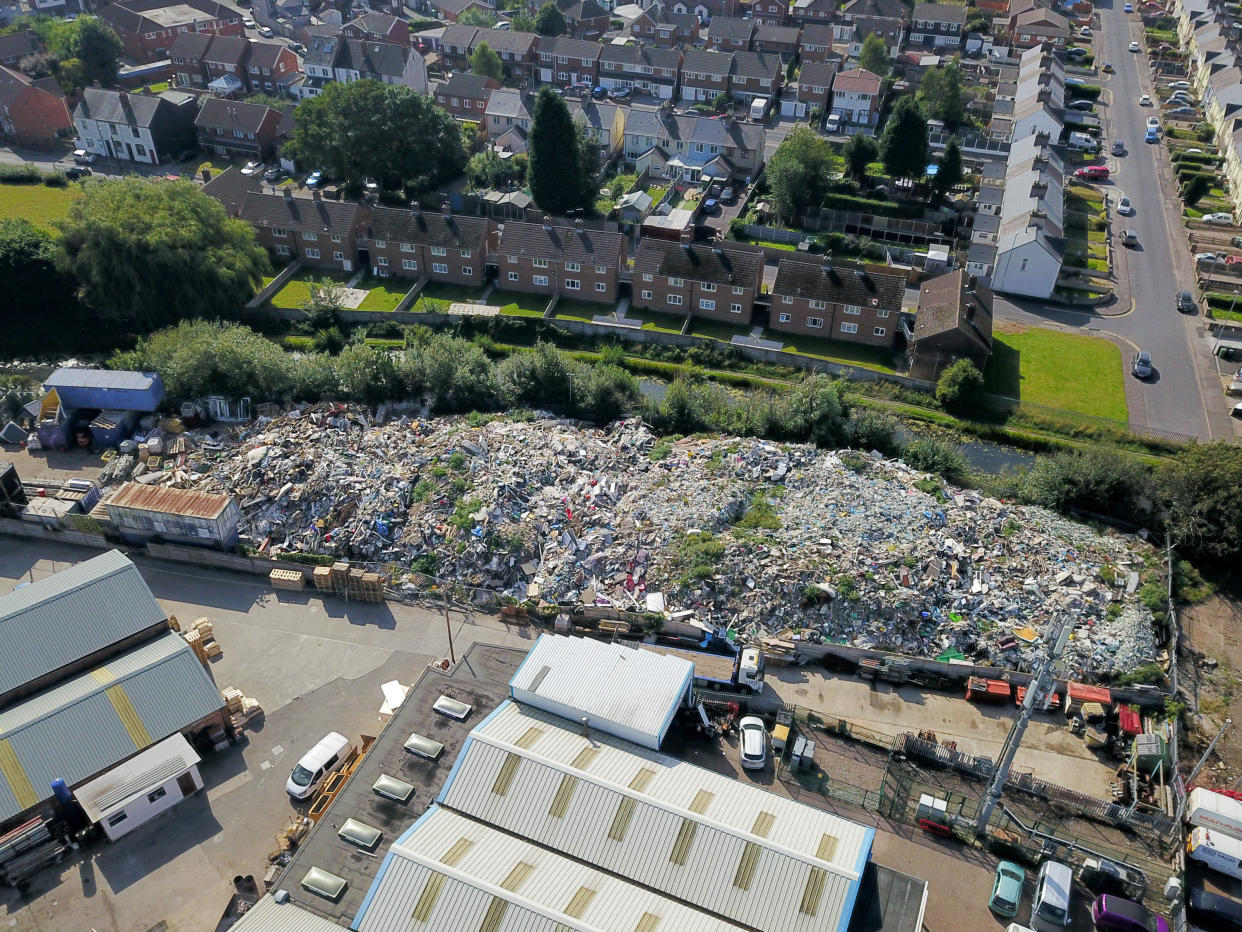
140	774
269	916
756	858
187	502
451	872
624	691
94	721
71	614
99	378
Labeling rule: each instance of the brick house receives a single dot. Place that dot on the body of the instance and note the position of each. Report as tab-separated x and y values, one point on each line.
730	35
420	243
448	11
584	19
716	281
756	74
806	12
885	9
686	147
604	121
552	259
187	54
456	44
269	66
856	96
465	95
644	68
17	46
954	322
386	62
938	26
657	26
230	127
147	128
770	12
782	40
564	61
225	61
889	28
507	109
1035	26
148	28
378	27
815	43
33	112
705	73
323	233
517	51
815	83
813	297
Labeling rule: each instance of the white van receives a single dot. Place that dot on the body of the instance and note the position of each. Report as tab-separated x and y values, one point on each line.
326	757
1051	907
1215	850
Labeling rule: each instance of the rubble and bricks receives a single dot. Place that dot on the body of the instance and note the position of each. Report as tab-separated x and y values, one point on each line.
743	534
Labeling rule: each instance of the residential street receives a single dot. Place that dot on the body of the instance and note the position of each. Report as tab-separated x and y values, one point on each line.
1183	395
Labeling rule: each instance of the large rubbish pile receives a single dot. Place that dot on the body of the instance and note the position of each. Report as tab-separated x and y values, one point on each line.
745	534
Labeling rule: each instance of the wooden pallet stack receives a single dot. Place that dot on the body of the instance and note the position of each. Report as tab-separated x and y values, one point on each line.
287	838
241	708
201	638
287	579
323	578
340	579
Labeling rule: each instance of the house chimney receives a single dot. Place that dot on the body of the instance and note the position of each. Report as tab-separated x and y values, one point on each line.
970	311
314	194
971	282
288	193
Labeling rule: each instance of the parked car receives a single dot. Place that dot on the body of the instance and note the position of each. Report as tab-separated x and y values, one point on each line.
1218	218
1134	46
1082	105
1208	257
1075	81
1086	32
1076	53
599	92
1119	147
1153	122
1185	302
275	174
1007	889
297	47
1179	85
752	742
1113	914
1107	67
1213	912
1181	112
1092	172
620	93
252	168
247	22
314	179
833	124
1236	241
711	206
1125	208
266	32
83	157
729	196
1141	368
77	172
1129	7
1144	100
1151	135
1129	238
1054	885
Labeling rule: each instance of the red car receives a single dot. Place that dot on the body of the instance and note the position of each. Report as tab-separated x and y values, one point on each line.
1092	173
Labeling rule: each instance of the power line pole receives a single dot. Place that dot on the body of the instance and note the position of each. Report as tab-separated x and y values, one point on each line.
1037	695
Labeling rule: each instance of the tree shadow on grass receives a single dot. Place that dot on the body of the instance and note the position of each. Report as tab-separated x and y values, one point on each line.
1001	375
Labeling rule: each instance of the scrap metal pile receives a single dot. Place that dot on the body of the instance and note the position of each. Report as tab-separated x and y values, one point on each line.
744	533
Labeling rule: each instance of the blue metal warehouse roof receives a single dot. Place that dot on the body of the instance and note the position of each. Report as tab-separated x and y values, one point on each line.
70	615
96	720
104	388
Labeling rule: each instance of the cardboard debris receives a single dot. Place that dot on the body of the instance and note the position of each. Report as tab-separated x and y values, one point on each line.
546	510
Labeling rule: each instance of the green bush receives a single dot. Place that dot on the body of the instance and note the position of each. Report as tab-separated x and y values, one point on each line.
20	174
939	456
55	180
872	206
875	430
960	387
1083	91
1095	479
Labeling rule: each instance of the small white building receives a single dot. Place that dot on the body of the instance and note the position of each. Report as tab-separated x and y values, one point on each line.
623	691
135	792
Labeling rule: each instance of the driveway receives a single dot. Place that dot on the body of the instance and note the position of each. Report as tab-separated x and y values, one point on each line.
1184	395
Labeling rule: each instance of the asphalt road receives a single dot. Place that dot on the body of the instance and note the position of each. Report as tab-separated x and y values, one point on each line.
1183	395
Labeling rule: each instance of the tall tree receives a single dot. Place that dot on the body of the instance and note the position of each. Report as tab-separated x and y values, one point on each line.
903	146
550	21
859	151
484	61
98	48
477	16
556	181
522	22
950	172
798	172
151	254
1202	492
874	55
37	293
389	132
940	93
589	161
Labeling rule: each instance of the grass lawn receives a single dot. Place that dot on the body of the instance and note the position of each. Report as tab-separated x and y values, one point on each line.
517	304
436	291
384	293
717	330
297	290
791	247
571	309
1062	370
37	203
848	354
653	320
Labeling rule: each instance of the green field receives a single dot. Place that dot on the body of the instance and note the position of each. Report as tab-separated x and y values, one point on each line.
518	304
383	294
1061	370
848	354
37	203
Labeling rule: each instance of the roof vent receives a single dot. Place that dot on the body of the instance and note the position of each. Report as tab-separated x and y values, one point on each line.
718	251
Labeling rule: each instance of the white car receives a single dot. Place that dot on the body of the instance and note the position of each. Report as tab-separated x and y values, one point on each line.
266	32
1207	257
1144	100
752	743
1220	218
252	168
83	157
1134	46
1153	123
1179	85
1124	207
247	22
1086	32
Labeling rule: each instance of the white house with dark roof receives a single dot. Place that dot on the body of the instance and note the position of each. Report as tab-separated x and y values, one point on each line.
693	147
856	96
937	26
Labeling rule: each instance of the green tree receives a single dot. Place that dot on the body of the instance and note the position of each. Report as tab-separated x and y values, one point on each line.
937	455
799	171
940	94
550	21
365	129
874	56
960	387
151	254
556	177
817	413
903	145
38	293
368	373
323	307
1194	189
1097	479
950	173
1202	493
98	48
477	16
722	103
488	170
859	151
484	61
71	75
589	163
522	22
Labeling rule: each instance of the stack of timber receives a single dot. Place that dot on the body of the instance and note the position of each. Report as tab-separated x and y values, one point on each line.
28	849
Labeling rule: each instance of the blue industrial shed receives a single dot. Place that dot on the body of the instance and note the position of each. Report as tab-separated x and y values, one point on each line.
105	389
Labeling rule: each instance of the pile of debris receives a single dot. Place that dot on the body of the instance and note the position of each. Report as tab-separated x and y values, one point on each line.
744	534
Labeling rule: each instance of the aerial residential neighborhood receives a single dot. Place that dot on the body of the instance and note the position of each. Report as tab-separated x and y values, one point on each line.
620	467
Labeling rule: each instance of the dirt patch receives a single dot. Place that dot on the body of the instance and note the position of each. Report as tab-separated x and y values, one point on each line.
1210	671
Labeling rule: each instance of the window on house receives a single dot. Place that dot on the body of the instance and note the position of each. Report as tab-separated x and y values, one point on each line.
881	313
309	236
572	284
707	304
409	265
601	287
282	249
539	263
156	795
338	256
646	295
815	321
439	268
465	253
540	279
278	232
674	299
786	299
312	253
849	328
647	276
784	318
676	282
709	286
511	259
381	243
382	261
336	237
818	305
513	276
601	270
879	331
573	266
439	251
735	308
853	309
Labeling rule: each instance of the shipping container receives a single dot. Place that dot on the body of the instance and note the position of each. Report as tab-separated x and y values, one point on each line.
1215	811
1129	719
979	689
142	512
1150	753
104	389
111	427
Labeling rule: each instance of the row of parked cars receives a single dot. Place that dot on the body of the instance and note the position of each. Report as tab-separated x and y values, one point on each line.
1050	908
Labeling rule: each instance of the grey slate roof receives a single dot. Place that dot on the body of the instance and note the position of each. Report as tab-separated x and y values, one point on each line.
229	50
817	34
397	224
191	46
887	8
371	57
632	56
817	74
684	128
232	114
231	187
595	114
570	48
505	40
75	730
61	618
725	263
785	34
725	27
757	65
18	45
822	281
459	36
939	13
707	61
299	213
560	242
464	84
943	304
510	102
264	54
321	50
117	107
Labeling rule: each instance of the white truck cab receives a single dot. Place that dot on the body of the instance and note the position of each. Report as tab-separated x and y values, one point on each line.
750	669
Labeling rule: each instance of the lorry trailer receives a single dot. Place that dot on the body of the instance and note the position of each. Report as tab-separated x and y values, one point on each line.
741	670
